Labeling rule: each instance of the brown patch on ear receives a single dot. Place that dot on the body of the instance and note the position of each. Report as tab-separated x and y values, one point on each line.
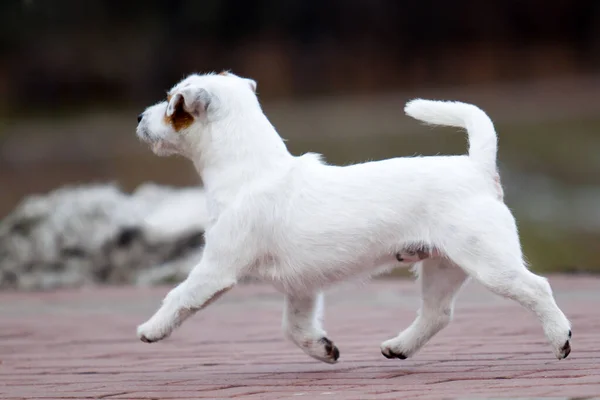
224	73
180	118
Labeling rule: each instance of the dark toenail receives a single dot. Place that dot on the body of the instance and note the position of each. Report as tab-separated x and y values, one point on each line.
401	356
326	341
145	339
328	344
336	353
388	356
569	334
330	349
566	349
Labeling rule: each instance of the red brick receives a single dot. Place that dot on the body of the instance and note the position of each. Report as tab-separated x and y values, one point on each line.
80	344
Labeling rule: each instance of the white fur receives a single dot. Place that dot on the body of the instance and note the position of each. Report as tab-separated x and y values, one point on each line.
303	225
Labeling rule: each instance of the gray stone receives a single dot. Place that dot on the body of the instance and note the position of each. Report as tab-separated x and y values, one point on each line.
93	234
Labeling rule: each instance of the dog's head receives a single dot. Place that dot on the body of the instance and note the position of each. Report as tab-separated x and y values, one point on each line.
177	124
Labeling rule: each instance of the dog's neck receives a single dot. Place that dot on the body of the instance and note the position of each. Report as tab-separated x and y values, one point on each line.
237	154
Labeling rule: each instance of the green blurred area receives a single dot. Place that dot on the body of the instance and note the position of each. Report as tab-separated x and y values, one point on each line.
563	152
333	78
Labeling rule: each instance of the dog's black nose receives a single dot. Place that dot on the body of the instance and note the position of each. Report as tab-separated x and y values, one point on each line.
140	118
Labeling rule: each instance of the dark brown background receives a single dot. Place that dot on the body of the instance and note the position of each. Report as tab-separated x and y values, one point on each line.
333	77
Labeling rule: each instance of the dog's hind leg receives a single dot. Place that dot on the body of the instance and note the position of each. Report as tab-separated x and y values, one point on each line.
302	324
440	282
490	253
204	284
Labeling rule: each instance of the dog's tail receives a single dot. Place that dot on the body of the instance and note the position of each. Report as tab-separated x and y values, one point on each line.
483	144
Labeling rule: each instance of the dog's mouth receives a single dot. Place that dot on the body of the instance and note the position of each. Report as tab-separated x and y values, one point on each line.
158	146
142	134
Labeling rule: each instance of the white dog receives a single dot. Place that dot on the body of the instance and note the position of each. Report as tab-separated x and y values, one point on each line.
304	225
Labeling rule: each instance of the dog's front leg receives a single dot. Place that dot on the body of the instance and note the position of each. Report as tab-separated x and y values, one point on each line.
206	283
302	324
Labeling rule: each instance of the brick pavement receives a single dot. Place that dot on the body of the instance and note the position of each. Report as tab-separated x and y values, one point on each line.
81	344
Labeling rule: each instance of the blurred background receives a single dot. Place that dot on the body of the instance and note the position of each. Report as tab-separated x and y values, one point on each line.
333	77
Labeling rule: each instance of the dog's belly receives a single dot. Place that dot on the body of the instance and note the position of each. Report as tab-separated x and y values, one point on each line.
296	277
335	223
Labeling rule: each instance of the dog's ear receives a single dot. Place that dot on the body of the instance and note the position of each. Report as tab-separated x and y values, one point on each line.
193	101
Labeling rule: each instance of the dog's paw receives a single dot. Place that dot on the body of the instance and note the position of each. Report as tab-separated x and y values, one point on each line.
390	354
329	352
563	351
150	333
394	348
321	349
559	336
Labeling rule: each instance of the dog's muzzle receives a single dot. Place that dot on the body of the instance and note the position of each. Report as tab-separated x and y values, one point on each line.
142	133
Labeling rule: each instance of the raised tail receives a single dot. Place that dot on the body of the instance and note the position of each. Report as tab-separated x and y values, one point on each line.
483	142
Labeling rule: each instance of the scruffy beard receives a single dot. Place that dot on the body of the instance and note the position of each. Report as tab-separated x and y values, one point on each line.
160	147
163	148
